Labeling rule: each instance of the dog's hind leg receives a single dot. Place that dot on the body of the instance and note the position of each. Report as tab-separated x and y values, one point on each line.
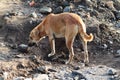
69	44
86	56
69	37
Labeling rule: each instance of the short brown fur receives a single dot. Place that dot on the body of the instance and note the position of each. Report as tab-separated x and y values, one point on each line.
66	25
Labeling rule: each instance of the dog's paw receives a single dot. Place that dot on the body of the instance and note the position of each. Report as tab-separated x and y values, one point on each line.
49	55
67	62
86	61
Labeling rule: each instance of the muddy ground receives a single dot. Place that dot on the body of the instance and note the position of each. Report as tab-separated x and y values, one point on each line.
102	18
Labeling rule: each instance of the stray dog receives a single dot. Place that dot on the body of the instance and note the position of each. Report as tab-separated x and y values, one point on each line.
66	25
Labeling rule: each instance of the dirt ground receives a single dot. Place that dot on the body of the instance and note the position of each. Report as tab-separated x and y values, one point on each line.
15	31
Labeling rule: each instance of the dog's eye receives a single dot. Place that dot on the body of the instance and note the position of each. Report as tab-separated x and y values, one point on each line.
31	38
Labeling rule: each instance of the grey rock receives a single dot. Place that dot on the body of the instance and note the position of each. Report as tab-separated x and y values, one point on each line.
40	77
65	3
46	10
117	14
117	25
58	9
117	4
18	78
28	79
34	15
77	75
111	72
20	13
104	46
117	53
6	18
110	5
1	78
44	69
23	48
67	9
2	44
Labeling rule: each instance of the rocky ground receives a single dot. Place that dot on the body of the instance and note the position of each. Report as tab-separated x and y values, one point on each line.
20	62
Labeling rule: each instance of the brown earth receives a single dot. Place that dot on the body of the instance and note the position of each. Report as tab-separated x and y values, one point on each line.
15	31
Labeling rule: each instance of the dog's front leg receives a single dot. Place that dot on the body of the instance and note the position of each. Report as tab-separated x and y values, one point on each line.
52	45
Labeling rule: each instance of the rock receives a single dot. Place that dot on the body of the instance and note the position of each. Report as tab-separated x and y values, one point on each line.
117	53
67	9
110	42
65	3
117	4
2	44
110	5
40	77
6	18
34	15
111	72
46	10
5	74
58	9
117	14
23	48
87	3
32	3
44	69
19	78
76	1
104	46
28	79
117	25
20	13
1	78
77	75
12	46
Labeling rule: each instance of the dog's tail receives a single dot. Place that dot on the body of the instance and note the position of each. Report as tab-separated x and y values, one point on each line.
83	34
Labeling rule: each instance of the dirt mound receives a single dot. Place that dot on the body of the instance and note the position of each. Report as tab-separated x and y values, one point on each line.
102	19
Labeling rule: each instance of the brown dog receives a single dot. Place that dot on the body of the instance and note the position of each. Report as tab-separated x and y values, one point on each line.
66	25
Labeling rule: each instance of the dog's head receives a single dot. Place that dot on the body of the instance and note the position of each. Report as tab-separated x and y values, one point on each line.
36	35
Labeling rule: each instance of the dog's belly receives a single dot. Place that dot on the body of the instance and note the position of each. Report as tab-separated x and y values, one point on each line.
59	35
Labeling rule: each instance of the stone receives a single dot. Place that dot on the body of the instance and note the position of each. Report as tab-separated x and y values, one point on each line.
18	78
59	9
111	72
44	69
28	79
117	53
45	10
40	77
104	46
34	15
67	9
20	13
23	48
117	14
1	78
77	75
65	3
2	44
117	4
117	25
110	5
5	74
